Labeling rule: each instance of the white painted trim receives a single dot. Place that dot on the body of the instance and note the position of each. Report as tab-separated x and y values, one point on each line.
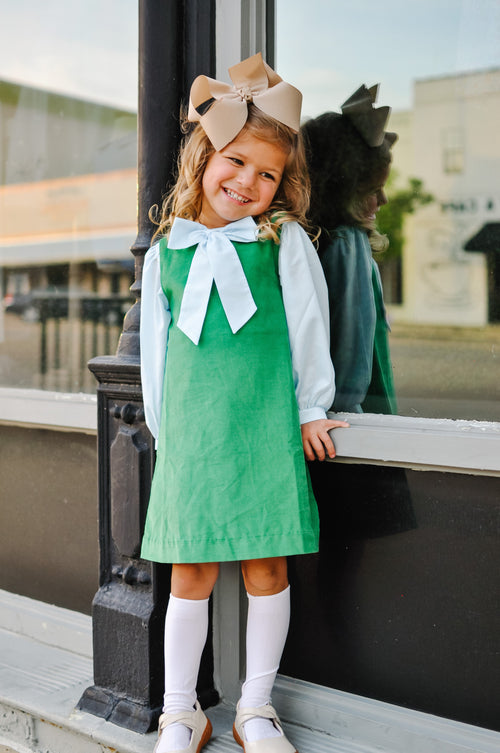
420	443
58	411
46	623
247	16
378	726
227	39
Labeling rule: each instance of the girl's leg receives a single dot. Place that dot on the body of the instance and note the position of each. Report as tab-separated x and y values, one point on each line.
267	627
186	626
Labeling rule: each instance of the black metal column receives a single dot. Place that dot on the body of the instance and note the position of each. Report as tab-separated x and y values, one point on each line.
176	43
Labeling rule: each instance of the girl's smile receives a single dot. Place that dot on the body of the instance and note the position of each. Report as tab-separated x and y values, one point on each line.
241	180
235	196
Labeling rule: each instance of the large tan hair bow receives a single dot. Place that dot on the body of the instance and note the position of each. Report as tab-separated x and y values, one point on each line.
222	109
369	121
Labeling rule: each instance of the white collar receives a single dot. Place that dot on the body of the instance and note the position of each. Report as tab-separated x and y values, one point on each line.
215	260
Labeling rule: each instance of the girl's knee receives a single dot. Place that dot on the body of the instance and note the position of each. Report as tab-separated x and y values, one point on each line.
264	577
194	581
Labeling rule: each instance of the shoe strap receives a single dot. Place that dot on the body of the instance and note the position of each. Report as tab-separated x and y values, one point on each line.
263	712
181	717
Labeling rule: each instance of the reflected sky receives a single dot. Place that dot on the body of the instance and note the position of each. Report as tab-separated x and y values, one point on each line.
85	48
88	48
327	48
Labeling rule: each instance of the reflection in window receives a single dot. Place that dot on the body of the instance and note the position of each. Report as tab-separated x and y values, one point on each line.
441	280
67	207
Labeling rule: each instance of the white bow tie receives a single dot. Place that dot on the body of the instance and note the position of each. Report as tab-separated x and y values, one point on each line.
215	260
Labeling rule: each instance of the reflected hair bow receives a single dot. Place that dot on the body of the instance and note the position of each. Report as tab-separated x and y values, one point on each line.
369	121
222	109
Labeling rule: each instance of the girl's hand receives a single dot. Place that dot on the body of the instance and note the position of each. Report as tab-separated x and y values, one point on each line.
316	440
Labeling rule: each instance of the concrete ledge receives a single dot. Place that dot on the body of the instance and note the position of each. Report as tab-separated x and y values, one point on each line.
49	410
45	623
42	679
45	665
419	443
375	725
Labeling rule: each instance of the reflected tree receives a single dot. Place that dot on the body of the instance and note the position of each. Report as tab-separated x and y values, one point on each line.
402	201
390	221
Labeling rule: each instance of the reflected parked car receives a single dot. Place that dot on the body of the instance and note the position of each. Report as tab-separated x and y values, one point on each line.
21	304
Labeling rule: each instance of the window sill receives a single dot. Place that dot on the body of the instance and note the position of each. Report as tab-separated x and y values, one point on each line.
420	443
58	411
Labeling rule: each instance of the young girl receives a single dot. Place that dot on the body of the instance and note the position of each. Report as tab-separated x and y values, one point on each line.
236	377
349	160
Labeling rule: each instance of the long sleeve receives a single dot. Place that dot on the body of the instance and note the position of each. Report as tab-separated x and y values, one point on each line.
305	298
347	263
155	321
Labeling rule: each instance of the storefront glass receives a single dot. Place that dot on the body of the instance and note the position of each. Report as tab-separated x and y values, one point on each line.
68	186
438	66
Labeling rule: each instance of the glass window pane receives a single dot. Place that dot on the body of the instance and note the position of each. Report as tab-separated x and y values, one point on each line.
68	186
438	65
400	588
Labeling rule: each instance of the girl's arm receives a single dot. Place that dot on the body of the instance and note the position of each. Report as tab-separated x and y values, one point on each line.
305	298
155	321
347	264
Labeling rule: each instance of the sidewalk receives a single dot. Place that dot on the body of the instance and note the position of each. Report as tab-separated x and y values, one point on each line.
46	664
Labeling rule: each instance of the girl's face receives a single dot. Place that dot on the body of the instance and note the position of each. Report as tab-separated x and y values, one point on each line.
374	197
241	180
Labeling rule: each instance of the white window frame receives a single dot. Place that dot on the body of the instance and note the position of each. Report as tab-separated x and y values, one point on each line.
420	443
42	409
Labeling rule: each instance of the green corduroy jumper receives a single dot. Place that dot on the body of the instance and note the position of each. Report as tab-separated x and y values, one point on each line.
230	480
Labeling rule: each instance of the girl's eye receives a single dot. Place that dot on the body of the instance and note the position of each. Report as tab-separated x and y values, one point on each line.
268	176
236	161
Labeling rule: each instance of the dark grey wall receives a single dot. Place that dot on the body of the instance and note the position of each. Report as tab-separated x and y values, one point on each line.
401	603
48	516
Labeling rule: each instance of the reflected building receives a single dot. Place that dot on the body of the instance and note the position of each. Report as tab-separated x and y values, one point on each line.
68	208
450	141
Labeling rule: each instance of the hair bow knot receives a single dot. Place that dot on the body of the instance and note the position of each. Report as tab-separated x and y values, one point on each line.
246	93
369	121
222	109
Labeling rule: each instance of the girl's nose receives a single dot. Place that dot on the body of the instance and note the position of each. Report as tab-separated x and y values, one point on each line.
381	198
246	176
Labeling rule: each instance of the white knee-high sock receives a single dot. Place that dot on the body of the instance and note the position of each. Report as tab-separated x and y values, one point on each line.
186	628
267	629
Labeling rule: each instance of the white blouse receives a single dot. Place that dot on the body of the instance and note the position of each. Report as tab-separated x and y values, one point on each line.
305	299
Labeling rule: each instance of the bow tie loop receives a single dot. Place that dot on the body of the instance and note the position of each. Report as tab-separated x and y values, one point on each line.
215	260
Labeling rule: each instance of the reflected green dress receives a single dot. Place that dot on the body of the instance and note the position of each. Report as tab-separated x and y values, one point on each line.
359	329
230	480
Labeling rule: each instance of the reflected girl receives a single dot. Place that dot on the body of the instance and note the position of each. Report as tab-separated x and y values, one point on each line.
349	161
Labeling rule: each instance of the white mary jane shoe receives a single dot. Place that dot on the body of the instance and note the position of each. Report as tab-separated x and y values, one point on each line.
196	721
266	745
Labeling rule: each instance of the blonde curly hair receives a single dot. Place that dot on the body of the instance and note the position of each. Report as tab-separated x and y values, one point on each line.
291	201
